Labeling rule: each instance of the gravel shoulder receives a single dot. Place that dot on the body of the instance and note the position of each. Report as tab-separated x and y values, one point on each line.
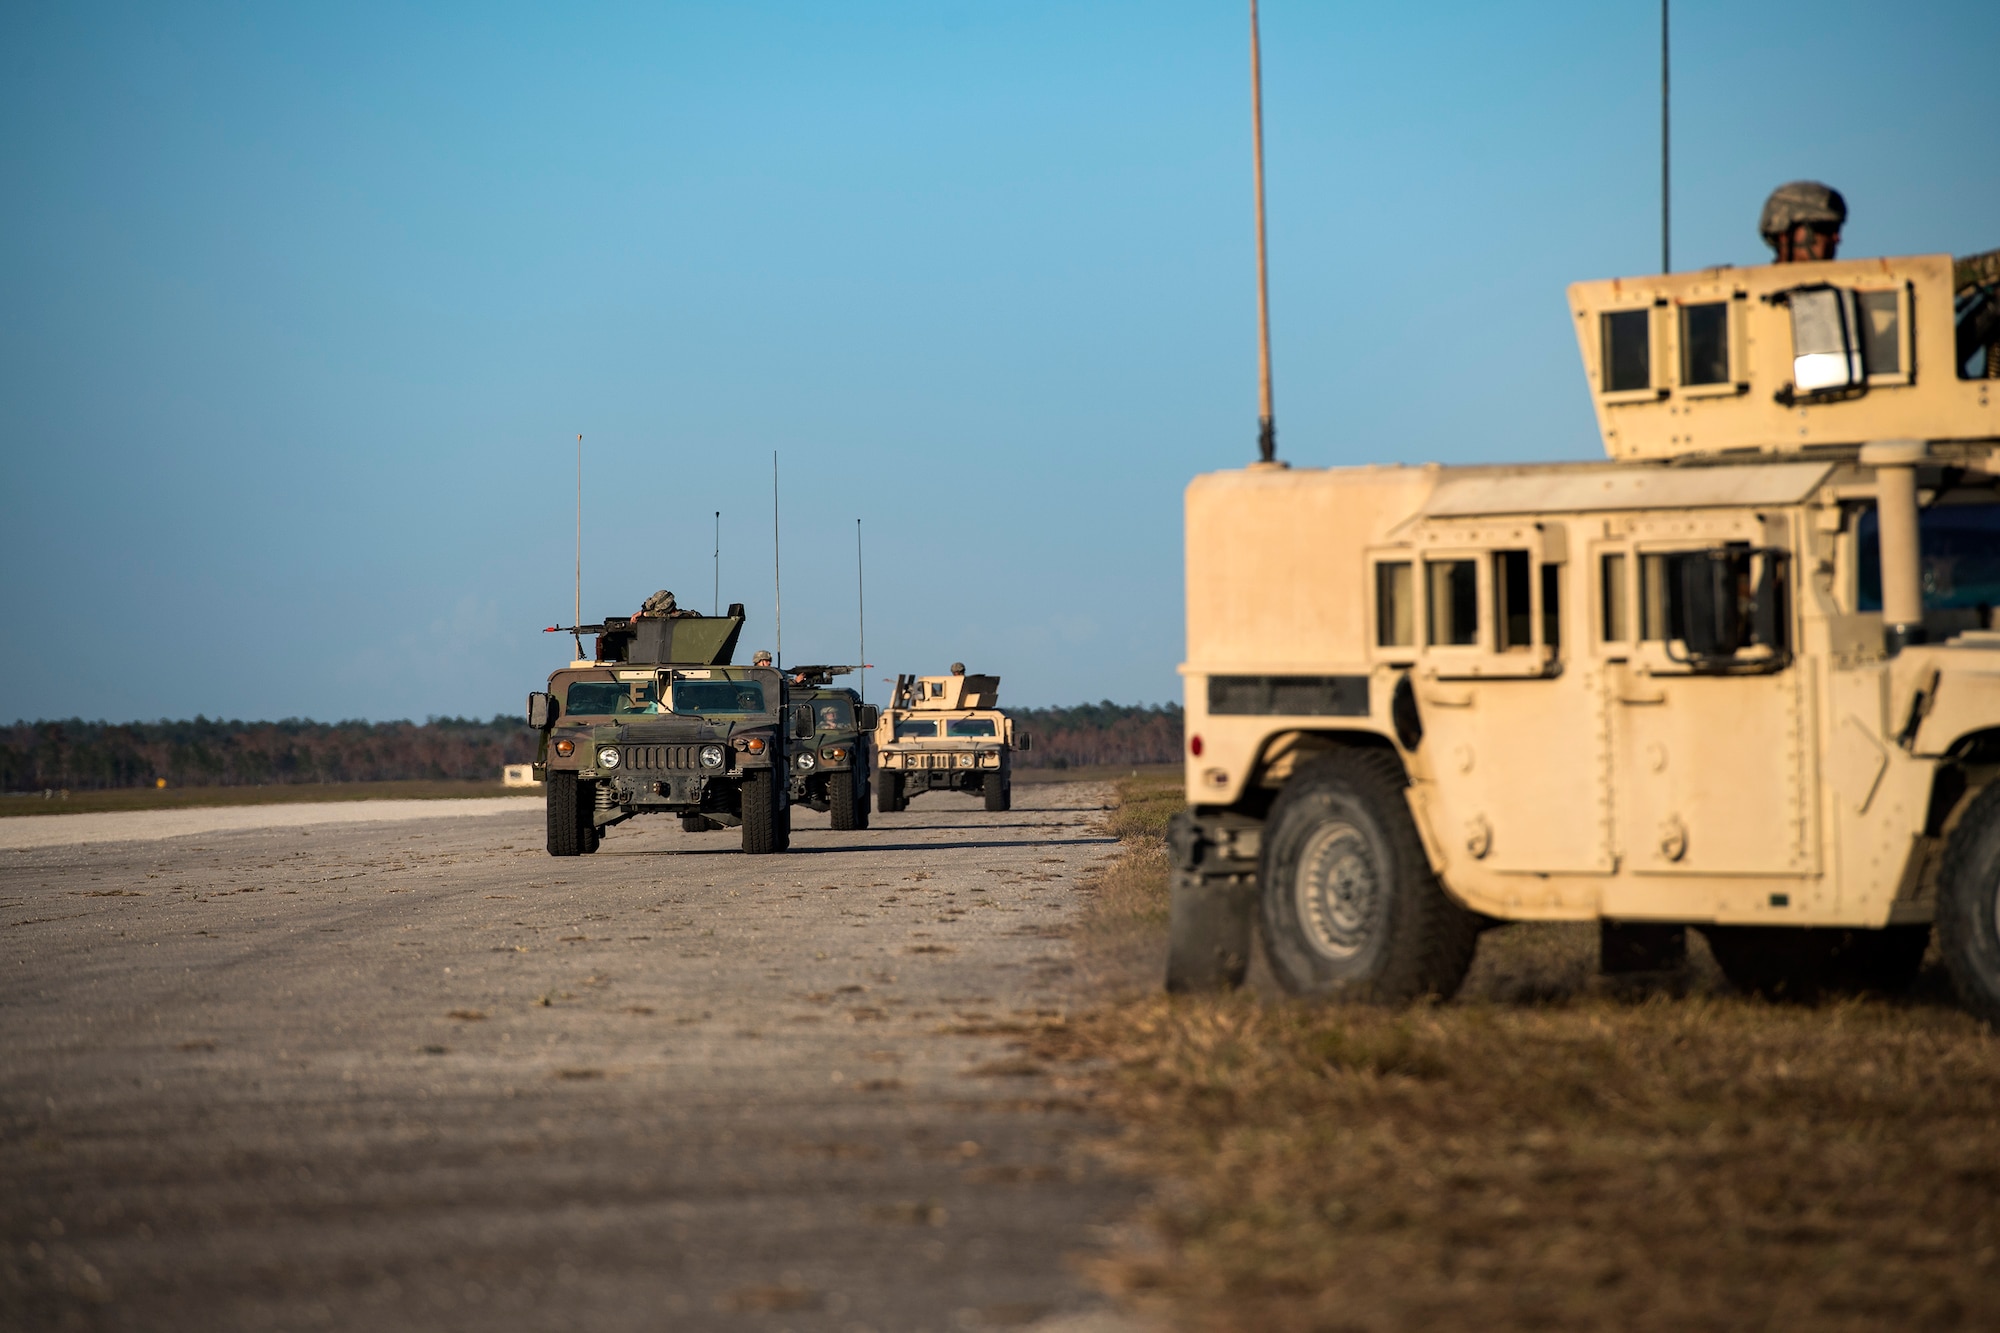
421	1075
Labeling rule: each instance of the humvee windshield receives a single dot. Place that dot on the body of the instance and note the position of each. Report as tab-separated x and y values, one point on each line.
610	698
911	731
969	726
1960	548
709	697
832	714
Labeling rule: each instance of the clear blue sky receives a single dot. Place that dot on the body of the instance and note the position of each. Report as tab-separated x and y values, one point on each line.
303	308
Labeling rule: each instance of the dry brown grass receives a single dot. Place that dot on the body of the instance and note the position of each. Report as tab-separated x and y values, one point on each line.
1546	1153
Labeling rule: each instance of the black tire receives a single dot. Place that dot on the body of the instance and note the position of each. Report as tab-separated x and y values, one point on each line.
565	815
696	824
999	791
861	797
842	791
889	798
589	836
1802	963
1968	906
1349	905
761	812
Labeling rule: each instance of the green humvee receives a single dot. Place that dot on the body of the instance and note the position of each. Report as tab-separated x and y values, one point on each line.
834	772
658	721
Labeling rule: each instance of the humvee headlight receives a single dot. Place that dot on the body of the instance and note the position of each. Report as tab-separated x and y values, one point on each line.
607	757
967	760
806	762
751	744
833	754
711	756
565	748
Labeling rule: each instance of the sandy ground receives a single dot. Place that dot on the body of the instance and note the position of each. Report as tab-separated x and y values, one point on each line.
26	831
419	1074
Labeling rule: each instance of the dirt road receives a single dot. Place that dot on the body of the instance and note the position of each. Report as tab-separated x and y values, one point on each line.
421	1075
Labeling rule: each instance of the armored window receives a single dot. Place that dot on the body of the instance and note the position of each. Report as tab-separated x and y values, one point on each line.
594	698
969	726
1881	333
717	696
914	731
1611	574
1453	588
1628	350
1705	343
1552	621
1718	608
1826	347
1395	604
1654	608
1958	549
1513	613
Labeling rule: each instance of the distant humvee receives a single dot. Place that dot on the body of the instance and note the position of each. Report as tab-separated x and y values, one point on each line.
945	733
1744	676
658	721
832	772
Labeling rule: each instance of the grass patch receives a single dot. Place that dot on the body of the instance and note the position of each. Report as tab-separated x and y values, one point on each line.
1023	775
187	798
1545	1153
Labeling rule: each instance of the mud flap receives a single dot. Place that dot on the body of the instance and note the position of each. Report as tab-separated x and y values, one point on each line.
1212	901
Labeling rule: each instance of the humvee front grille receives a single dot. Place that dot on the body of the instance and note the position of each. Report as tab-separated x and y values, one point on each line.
658	758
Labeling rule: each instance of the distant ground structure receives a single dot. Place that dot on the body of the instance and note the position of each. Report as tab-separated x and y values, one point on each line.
517	775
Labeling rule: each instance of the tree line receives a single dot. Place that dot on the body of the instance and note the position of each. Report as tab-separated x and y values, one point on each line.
212	752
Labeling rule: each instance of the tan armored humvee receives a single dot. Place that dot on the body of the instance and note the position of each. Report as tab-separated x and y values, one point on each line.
1743	676
945	733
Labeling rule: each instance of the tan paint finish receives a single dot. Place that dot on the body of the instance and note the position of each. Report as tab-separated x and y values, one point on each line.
1671	419
1590	770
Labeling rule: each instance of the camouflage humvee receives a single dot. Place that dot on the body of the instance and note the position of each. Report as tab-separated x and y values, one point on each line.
659	722
944	733
831	772
1744	676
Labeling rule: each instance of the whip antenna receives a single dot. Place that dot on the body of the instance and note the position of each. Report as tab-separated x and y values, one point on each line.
777	567
861	607
1666	176
718	564
1267	428
576	619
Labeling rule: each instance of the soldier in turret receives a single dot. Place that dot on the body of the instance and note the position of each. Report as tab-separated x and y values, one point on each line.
1802	220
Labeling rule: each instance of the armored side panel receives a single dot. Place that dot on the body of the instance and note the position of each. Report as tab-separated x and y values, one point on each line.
683	640
1784	358
956	692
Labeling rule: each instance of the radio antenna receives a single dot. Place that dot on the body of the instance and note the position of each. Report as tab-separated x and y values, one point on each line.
1267	428
861	606
777	565
1666	176
577	618
718	564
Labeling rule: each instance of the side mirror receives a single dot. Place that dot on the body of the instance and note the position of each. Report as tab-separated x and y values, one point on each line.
866	716
802	722
542	711
1024	741
1707	604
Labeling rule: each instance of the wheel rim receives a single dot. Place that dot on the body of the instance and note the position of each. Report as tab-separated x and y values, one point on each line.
1339	890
